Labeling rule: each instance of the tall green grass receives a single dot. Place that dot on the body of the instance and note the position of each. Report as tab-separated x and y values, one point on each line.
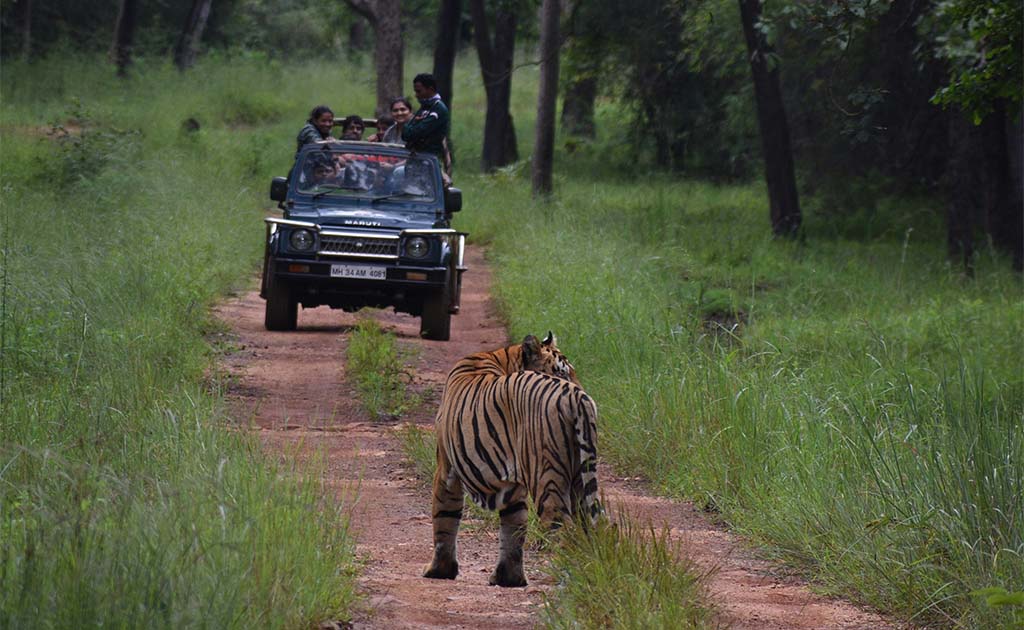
624	576
379	372
856	406
125	500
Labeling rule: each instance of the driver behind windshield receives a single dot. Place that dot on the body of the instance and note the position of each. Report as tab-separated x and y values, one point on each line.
319	170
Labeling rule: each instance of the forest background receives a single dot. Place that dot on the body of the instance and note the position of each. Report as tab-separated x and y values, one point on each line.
817	336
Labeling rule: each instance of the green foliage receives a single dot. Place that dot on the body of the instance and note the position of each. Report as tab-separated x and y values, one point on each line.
380	373
297	29
125	500
982	45
420	450
864	421
623	576
681	78
998	597
242	107
85	148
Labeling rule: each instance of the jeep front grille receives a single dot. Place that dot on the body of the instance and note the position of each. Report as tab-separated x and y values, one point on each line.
356	245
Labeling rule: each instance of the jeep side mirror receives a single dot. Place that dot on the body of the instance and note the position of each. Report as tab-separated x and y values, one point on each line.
279	188
452	200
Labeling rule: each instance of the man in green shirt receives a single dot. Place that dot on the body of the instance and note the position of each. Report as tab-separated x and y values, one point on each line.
429	128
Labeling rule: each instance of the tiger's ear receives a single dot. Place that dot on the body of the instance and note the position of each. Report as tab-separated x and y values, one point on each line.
550	339
531	348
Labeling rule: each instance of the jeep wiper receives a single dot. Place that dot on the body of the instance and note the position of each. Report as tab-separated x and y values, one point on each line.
394	195
332	187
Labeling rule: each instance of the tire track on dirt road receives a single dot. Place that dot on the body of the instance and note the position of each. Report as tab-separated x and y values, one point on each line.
292	388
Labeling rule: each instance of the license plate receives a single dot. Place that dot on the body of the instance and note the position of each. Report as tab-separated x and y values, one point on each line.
361	272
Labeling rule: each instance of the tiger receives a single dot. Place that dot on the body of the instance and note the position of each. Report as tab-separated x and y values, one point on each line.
512	422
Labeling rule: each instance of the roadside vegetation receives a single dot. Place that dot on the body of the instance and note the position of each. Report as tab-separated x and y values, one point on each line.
379	371
851	402
419	449
623	576
126	500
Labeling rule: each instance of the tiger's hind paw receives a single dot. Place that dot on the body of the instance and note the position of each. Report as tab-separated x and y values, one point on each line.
442	571
506	576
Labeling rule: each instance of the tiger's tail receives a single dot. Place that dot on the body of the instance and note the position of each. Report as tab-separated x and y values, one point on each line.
586	440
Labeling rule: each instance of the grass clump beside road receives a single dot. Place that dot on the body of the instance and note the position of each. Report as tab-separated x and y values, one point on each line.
124	499
621	576
380	374
855	405
420	451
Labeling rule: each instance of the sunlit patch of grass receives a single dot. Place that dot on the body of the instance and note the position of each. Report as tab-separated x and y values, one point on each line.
381	375
622	575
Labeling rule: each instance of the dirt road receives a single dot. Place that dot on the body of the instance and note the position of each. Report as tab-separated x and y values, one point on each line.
293	389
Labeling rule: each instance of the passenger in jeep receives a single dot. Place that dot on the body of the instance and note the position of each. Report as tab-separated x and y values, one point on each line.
383	124
401	111
318	170
430	126
352	128
317	128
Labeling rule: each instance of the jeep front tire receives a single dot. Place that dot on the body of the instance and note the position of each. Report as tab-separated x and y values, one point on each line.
436	321
282	310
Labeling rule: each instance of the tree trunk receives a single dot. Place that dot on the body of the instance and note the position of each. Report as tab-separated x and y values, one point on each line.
357	35
771	117
187	48
963	186
26	29
1003	219
1014	131
124	36
385	16
496	68
578	106
389	52
448	21
547	95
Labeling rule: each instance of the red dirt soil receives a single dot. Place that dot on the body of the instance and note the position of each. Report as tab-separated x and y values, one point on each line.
293	389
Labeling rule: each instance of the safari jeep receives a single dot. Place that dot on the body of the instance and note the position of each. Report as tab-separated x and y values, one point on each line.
364	225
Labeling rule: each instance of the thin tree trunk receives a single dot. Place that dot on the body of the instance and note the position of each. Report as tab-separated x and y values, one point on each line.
771	116
496	68
448	21
187	48
1003	220
963	185
547	95
1014	132
385	16
26	29
124	36
357	36
580	66
578	106
389	52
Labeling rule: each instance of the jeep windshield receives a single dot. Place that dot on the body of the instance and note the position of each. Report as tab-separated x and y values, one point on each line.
375	176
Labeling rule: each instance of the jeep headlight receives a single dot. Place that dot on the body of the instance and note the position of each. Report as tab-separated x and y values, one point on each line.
417	247
302	240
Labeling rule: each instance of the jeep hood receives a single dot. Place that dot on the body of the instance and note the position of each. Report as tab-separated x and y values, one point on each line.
365	217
